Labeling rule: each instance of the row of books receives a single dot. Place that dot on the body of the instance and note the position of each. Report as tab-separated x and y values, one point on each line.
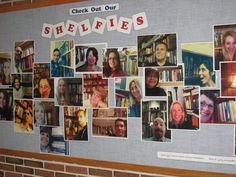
172	75
226	111
66	46
28	51
218	38
27	62
191	102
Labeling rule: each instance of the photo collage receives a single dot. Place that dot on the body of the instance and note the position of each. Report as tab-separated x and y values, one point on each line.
146	82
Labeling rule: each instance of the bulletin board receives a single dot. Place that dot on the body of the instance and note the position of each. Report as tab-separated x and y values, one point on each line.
205	146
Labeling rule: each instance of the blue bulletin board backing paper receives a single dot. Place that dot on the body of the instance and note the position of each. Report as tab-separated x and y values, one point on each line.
191	20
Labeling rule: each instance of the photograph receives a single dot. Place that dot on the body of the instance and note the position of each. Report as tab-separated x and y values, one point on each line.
110	122
183	107
228	79
128	93
6	104
23	56
43	83
224	43
5	67
89	58
52	141
22	85
120	62
157	50
23	114
198	64
76	123
154	121
95	91
62	58
45	113
68	91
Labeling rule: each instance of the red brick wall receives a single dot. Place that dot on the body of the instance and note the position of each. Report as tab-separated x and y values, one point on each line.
13	166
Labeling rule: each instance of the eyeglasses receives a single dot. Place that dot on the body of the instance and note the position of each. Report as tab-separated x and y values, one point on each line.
204	104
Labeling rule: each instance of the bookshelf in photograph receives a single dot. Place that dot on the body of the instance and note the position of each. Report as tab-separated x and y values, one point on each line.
171	76
129	64
80	55
66	60
150	111
91	81
219	32
191	104
74	92
27	57
110	112
146	48
27	85
226	110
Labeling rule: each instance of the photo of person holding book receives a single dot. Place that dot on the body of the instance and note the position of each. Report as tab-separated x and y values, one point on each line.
91	61
151	83
113	67
228	52
136	96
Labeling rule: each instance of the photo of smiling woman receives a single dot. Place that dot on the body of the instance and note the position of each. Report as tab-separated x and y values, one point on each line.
206	74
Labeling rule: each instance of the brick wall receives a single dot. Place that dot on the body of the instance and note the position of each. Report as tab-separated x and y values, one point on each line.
13	166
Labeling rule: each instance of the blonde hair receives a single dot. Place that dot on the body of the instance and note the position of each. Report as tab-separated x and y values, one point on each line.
171	108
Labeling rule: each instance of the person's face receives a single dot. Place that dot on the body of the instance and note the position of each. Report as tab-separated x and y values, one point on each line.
28	117
81	118
56	55
230	44
6	69
96	98
62	86
151	80
44	88
39	115
44	137
177	113
120	129
159	128
112	60
91	58
17	83
161	52
135	90
207	108
204	74
18	52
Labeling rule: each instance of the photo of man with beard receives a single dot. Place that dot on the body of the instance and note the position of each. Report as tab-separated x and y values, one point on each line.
159	131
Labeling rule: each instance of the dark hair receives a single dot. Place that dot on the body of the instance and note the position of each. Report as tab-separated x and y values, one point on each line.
149	71
158	43
95	53
16	78
120	120
211	94
49	131
57	50
108	71
3	75
46	79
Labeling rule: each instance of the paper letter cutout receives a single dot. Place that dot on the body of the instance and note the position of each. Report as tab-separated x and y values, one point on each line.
47	30
84	27
71	27
124	25
111	23
59	30
140	21
98	25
